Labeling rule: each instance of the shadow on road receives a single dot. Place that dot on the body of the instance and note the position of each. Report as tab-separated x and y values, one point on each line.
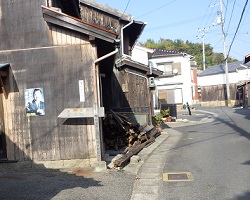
246	163
28	183
243	111
243	197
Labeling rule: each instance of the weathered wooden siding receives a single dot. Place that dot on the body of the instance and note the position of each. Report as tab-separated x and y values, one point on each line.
54	59
21	25
129	92
62	36
100	19
57	71
215	95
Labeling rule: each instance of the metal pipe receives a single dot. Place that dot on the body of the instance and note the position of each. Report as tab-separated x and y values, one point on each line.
106	56
122	47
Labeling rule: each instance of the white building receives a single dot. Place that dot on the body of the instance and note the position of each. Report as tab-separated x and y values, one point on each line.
141	54
176	85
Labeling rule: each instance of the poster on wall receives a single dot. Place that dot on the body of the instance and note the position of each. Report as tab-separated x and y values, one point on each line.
34	101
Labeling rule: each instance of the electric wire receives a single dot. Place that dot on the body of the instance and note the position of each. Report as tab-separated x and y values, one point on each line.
156	9
230	17
125	9
204	15
237	28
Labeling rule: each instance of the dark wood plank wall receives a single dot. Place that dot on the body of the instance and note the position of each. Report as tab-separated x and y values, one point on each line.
25	31
131	94
217	93
57	69
49	137
101	19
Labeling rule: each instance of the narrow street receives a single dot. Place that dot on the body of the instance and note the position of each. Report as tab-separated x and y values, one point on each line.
216	154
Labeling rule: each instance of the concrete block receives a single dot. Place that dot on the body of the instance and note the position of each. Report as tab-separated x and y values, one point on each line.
99	166
135	159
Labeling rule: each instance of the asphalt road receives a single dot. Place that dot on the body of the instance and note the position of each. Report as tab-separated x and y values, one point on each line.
217	155
48	184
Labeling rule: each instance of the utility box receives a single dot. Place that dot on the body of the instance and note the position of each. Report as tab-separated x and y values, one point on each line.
151	82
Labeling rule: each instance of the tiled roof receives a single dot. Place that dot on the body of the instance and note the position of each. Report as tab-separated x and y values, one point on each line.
219	69
163	52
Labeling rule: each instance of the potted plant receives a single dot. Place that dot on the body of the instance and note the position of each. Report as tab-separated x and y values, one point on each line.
157	121
166	115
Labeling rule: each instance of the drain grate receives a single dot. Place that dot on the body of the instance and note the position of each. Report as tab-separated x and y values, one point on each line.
177	176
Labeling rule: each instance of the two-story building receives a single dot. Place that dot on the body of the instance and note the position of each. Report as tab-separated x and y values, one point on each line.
178	83
64	53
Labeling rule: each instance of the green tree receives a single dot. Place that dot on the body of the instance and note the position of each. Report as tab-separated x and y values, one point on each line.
194	49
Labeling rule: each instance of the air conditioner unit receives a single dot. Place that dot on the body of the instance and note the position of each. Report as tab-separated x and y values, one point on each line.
151	82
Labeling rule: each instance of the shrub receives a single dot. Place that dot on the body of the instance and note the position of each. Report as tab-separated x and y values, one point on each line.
157	119
165	113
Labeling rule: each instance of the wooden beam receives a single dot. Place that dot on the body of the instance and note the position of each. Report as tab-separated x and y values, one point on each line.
3	74
3	88
75	24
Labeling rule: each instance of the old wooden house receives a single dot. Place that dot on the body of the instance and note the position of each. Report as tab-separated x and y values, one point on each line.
63	65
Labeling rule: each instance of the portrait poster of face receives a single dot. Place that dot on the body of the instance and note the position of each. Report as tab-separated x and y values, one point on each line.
34	102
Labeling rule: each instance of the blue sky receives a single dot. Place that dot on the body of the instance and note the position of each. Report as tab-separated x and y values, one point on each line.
180	19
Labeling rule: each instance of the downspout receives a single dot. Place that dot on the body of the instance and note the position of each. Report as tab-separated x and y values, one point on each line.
122	46
97	121
106	56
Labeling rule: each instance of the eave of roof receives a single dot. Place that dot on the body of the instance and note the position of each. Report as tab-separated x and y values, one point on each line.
3	65
247	58
61	19
126	61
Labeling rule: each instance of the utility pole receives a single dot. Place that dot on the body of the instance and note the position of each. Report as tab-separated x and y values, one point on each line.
225	56
202	35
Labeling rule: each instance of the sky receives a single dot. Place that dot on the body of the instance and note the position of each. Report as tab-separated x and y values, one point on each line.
181	19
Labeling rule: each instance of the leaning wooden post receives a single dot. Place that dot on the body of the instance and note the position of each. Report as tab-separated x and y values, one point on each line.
96	113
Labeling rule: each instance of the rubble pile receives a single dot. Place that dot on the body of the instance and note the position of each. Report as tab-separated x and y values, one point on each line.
120	134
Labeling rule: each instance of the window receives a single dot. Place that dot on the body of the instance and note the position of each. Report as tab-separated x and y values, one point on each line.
170	68
166	68
170	96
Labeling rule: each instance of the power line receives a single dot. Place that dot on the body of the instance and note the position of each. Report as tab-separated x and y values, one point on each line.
156	9
174	24
205	14
230	17
237	27
125	9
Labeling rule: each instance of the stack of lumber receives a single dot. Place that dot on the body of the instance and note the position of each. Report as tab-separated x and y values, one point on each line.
119	132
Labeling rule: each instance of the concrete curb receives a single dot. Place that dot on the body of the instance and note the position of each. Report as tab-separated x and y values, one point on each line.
148	183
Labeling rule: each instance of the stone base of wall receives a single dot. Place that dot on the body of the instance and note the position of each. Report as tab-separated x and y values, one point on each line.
217	103
62	165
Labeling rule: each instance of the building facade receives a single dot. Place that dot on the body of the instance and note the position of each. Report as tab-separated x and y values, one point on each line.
64	54
212	82
177	84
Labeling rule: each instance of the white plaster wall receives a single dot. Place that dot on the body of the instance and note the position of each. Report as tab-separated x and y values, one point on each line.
140	54
233	77
182	81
